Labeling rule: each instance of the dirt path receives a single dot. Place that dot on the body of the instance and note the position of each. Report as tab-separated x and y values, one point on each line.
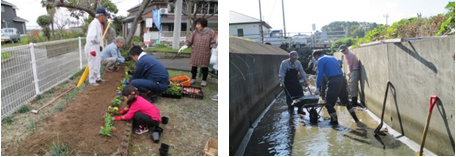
78	124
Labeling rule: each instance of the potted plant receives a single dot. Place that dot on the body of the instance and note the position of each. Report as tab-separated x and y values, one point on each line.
174	91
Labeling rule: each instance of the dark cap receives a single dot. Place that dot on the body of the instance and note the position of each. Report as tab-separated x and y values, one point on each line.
102	10
294	54
342	48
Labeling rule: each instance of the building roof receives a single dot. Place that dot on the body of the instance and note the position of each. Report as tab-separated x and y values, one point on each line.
239	18
150	4
19	19
9	4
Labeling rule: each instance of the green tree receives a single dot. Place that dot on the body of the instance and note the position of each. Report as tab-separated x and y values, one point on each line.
117	23
45	21
79	8
354	29
448	25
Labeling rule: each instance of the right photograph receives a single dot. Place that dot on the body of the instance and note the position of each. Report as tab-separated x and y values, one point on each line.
341	78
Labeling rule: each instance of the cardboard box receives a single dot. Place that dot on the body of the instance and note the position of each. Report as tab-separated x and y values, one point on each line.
211	148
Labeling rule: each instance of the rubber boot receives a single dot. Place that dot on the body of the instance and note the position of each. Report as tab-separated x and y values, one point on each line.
354	101
352	113
333	119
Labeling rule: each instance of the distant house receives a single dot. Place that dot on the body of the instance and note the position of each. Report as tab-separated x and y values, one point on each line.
10	18
247	27
167	19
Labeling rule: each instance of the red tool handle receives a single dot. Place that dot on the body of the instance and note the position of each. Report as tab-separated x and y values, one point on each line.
432	102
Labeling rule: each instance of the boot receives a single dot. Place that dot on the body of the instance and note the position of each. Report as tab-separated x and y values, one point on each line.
333	119
353	114
354	101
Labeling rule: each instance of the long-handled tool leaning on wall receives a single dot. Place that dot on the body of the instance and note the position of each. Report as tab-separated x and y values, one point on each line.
432	103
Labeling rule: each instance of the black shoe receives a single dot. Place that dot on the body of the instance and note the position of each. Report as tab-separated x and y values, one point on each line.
152	98
334	122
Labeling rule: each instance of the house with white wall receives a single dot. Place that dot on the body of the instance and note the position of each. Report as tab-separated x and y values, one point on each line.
247	27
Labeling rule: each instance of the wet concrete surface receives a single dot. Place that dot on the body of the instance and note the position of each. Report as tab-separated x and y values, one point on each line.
281	134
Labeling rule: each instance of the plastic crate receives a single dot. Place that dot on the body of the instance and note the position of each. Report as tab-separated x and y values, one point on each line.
171	96
191	92
184	80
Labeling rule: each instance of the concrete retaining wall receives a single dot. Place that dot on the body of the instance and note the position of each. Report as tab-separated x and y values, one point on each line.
254	83
417	70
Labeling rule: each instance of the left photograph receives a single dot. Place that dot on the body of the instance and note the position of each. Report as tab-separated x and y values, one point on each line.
136	78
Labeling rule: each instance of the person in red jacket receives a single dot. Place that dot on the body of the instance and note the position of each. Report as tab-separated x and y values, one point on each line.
144	114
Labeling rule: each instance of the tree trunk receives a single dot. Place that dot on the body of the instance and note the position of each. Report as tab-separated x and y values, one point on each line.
188	13
135	22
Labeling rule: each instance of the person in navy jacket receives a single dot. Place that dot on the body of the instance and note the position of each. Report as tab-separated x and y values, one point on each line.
150	76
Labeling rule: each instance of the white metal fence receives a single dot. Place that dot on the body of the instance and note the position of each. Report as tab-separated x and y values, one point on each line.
32	69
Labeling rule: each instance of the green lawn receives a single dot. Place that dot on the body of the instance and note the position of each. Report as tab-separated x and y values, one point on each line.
6	55
164	48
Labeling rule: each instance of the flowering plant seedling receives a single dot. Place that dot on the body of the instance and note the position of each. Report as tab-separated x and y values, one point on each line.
113	110
174	89
107	127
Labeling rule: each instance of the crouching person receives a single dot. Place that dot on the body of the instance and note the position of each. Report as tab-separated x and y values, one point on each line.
110	57
144	114
150	76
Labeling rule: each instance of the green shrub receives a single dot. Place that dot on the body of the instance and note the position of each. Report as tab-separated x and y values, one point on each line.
8	119
23	109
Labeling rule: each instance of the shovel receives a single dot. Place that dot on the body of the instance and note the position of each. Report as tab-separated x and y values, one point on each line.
423	138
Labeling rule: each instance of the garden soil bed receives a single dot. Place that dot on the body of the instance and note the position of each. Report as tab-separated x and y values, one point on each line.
78	124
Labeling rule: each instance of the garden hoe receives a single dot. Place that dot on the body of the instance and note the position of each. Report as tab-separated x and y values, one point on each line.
86	71
423	138
36	111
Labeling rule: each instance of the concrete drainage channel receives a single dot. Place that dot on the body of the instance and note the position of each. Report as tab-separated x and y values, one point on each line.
275	132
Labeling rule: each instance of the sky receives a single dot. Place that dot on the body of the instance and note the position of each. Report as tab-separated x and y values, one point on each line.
26	5
301	14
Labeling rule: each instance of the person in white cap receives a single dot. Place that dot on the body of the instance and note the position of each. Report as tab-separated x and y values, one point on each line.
93	45
289	71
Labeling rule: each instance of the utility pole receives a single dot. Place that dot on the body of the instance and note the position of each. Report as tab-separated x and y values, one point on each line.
177	24
386	16
261	24
284	28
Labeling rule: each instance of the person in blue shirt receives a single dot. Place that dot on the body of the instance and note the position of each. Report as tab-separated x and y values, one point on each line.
150	76
110	57
336	87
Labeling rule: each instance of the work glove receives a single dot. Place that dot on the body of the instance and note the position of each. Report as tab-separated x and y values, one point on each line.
123	111
182	48
93	53
117	118
101	48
